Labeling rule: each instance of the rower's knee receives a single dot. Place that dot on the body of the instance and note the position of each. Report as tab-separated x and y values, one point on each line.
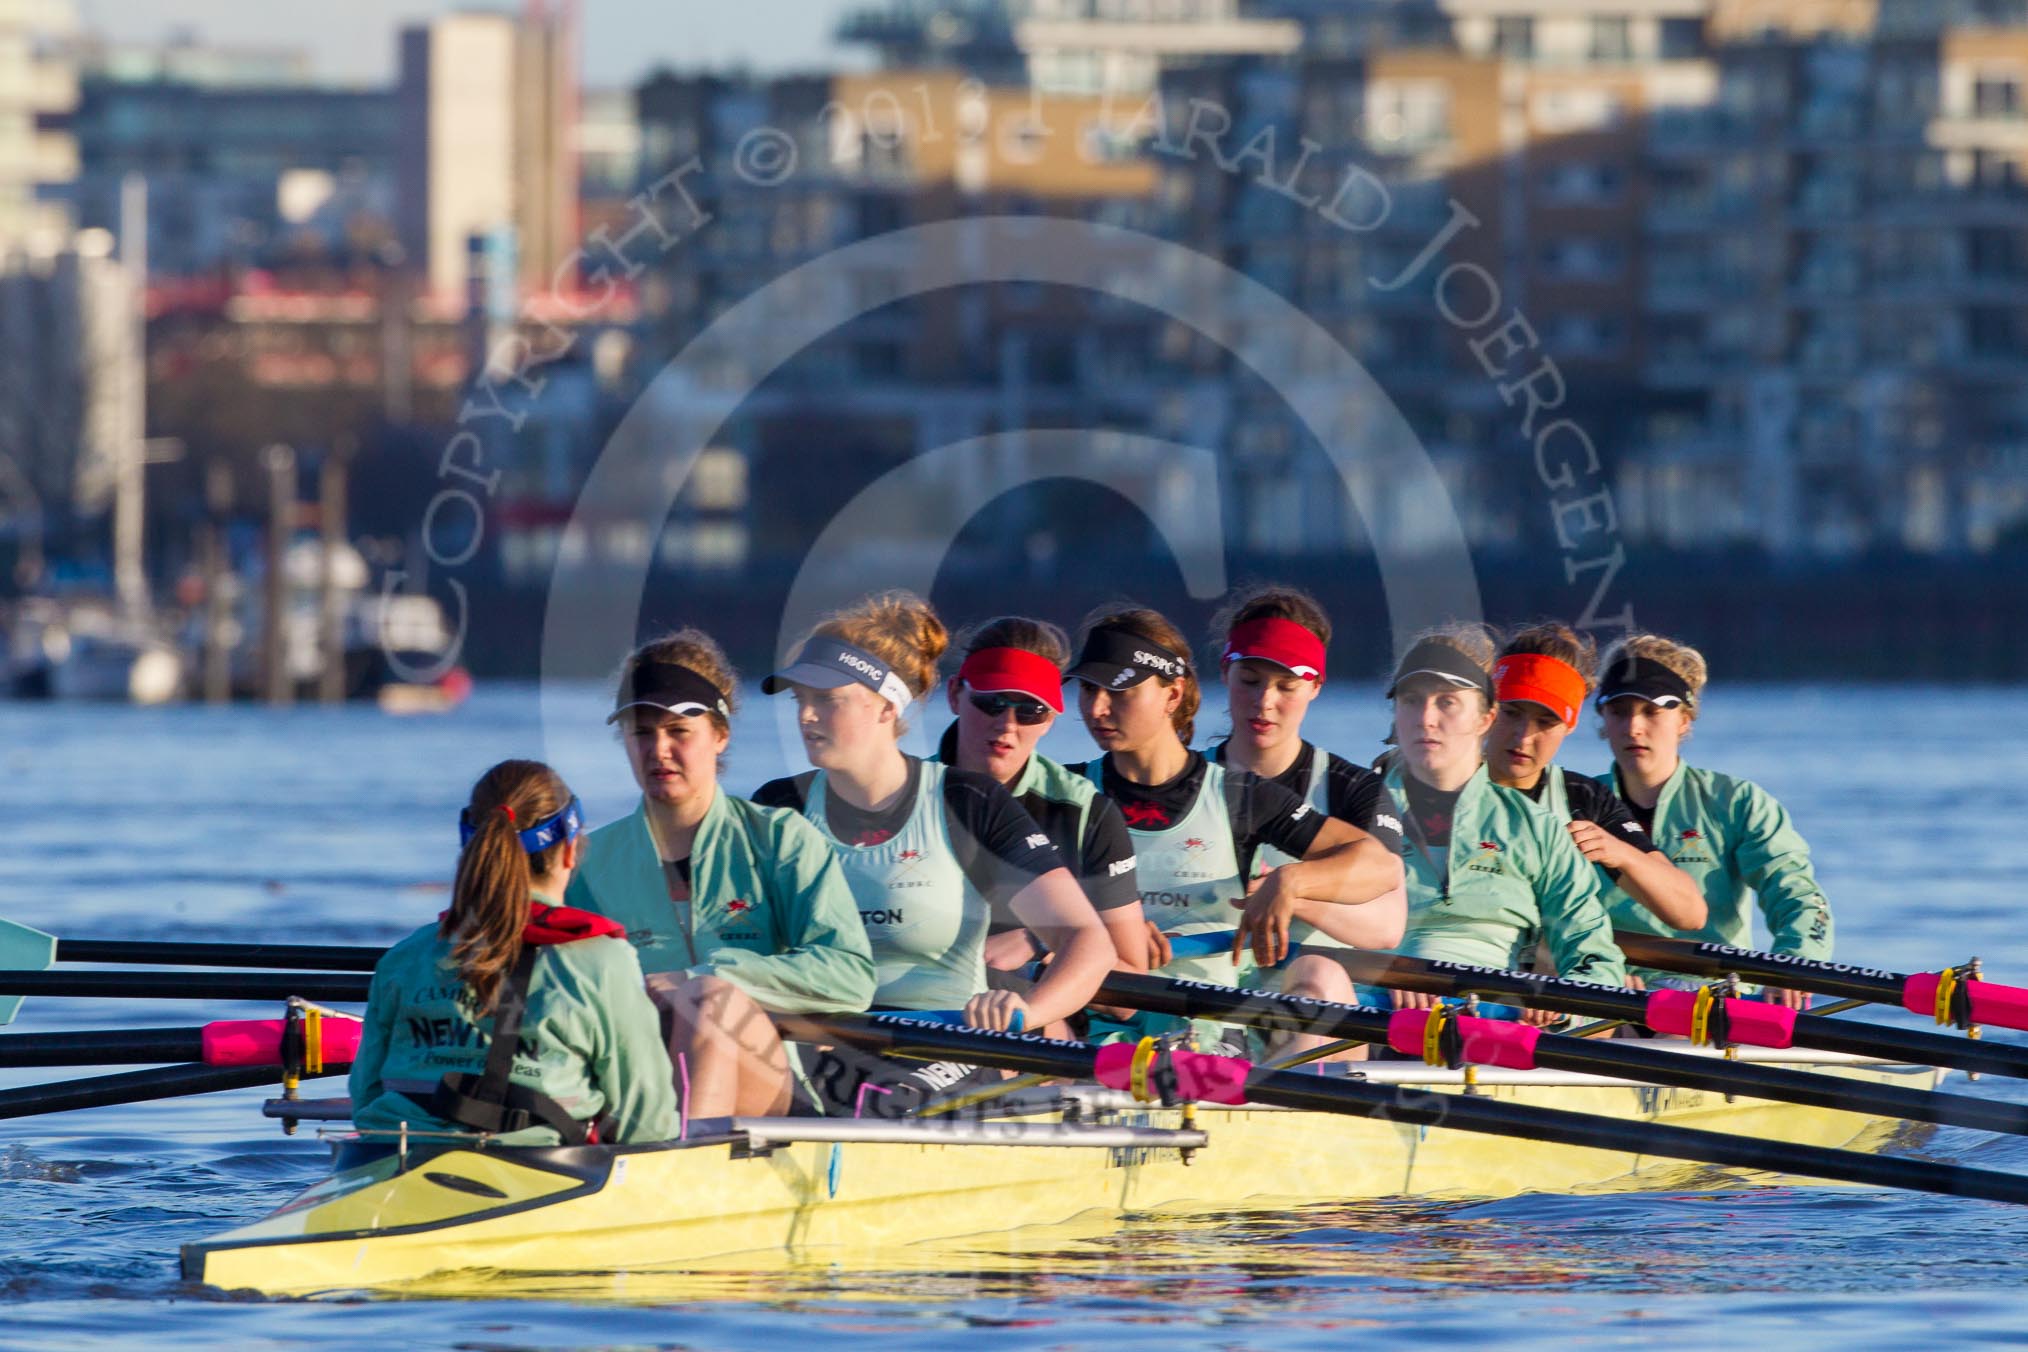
1318	978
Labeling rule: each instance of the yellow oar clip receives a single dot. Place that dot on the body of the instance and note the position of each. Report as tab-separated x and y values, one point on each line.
1700	1015
1145	1052
1946	993
1433	1027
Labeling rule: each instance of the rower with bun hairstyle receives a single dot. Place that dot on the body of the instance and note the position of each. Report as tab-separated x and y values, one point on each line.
1273	642
737	910
511	1014
929	849
1729	835
1489	872
1197	825
1542	680
1005	697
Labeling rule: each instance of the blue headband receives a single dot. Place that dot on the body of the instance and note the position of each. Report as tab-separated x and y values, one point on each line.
565	825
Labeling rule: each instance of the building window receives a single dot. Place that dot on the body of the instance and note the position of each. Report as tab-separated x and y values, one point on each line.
1514	37
1996	96
1682	39
1612	38
1408	116
1581	259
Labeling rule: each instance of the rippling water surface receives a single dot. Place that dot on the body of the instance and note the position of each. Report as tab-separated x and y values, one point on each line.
337	826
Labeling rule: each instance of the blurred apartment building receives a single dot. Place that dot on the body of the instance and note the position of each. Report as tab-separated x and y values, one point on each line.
38	88
1838	286
67	361
488	104
1773	249
249	161
876	154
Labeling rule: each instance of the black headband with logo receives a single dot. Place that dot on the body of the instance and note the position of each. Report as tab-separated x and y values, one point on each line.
1432	658
671	687
1115	658
1643	678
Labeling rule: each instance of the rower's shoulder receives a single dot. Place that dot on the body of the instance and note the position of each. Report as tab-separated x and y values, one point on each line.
423	939
1720	787
1743	802
600	964
790	792
1336	767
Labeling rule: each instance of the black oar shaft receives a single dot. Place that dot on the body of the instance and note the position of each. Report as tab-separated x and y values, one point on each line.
133	1047
1291	1089
135	1086
1717	960
1620	1060
291	957
189	985
1913	1046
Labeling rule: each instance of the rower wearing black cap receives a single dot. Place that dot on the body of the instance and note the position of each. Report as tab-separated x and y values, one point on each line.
1489	872
1198	825
928	849
1273	642
1006	696
1730	835
737	910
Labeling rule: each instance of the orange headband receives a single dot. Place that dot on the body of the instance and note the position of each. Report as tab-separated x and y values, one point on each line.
1540	679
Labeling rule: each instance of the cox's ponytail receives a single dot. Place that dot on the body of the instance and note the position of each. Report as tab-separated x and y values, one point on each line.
490	896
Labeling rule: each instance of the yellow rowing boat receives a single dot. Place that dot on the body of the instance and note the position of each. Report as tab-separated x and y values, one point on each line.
465	1216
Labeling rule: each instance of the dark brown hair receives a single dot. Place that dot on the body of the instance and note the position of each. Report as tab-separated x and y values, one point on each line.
1553	638
1040	637
693	648
490	895
1270	601
1155	627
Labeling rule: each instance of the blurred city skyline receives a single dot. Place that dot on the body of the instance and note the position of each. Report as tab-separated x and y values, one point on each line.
624	40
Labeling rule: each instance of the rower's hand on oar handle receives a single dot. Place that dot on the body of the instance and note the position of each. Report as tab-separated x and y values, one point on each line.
1159	951
1541	1018
1265	913
1413	999
997	1012
1785	999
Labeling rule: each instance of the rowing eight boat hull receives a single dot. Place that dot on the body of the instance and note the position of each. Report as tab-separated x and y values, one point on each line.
492	1215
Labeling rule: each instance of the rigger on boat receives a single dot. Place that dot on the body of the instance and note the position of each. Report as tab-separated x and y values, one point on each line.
674	1070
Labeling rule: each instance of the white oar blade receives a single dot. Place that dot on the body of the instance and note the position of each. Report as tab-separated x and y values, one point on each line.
22	950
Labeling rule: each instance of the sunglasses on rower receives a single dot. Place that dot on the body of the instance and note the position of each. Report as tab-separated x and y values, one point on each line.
1027	712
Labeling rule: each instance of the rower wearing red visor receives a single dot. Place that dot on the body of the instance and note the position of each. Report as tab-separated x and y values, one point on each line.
1273	641
1006	697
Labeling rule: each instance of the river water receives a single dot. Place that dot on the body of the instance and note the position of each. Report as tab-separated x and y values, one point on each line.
338	826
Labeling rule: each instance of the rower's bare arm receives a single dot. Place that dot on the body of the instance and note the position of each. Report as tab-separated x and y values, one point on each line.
1379	923
1127	927
1347	866
1056	908
1010	950
1345	869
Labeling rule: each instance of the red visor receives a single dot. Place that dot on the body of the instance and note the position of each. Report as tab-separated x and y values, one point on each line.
1539	679
1283	642
1014	671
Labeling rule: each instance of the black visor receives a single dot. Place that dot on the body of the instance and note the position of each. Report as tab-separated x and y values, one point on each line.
1643	678
1431	658
826	663
1114	659
670	687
